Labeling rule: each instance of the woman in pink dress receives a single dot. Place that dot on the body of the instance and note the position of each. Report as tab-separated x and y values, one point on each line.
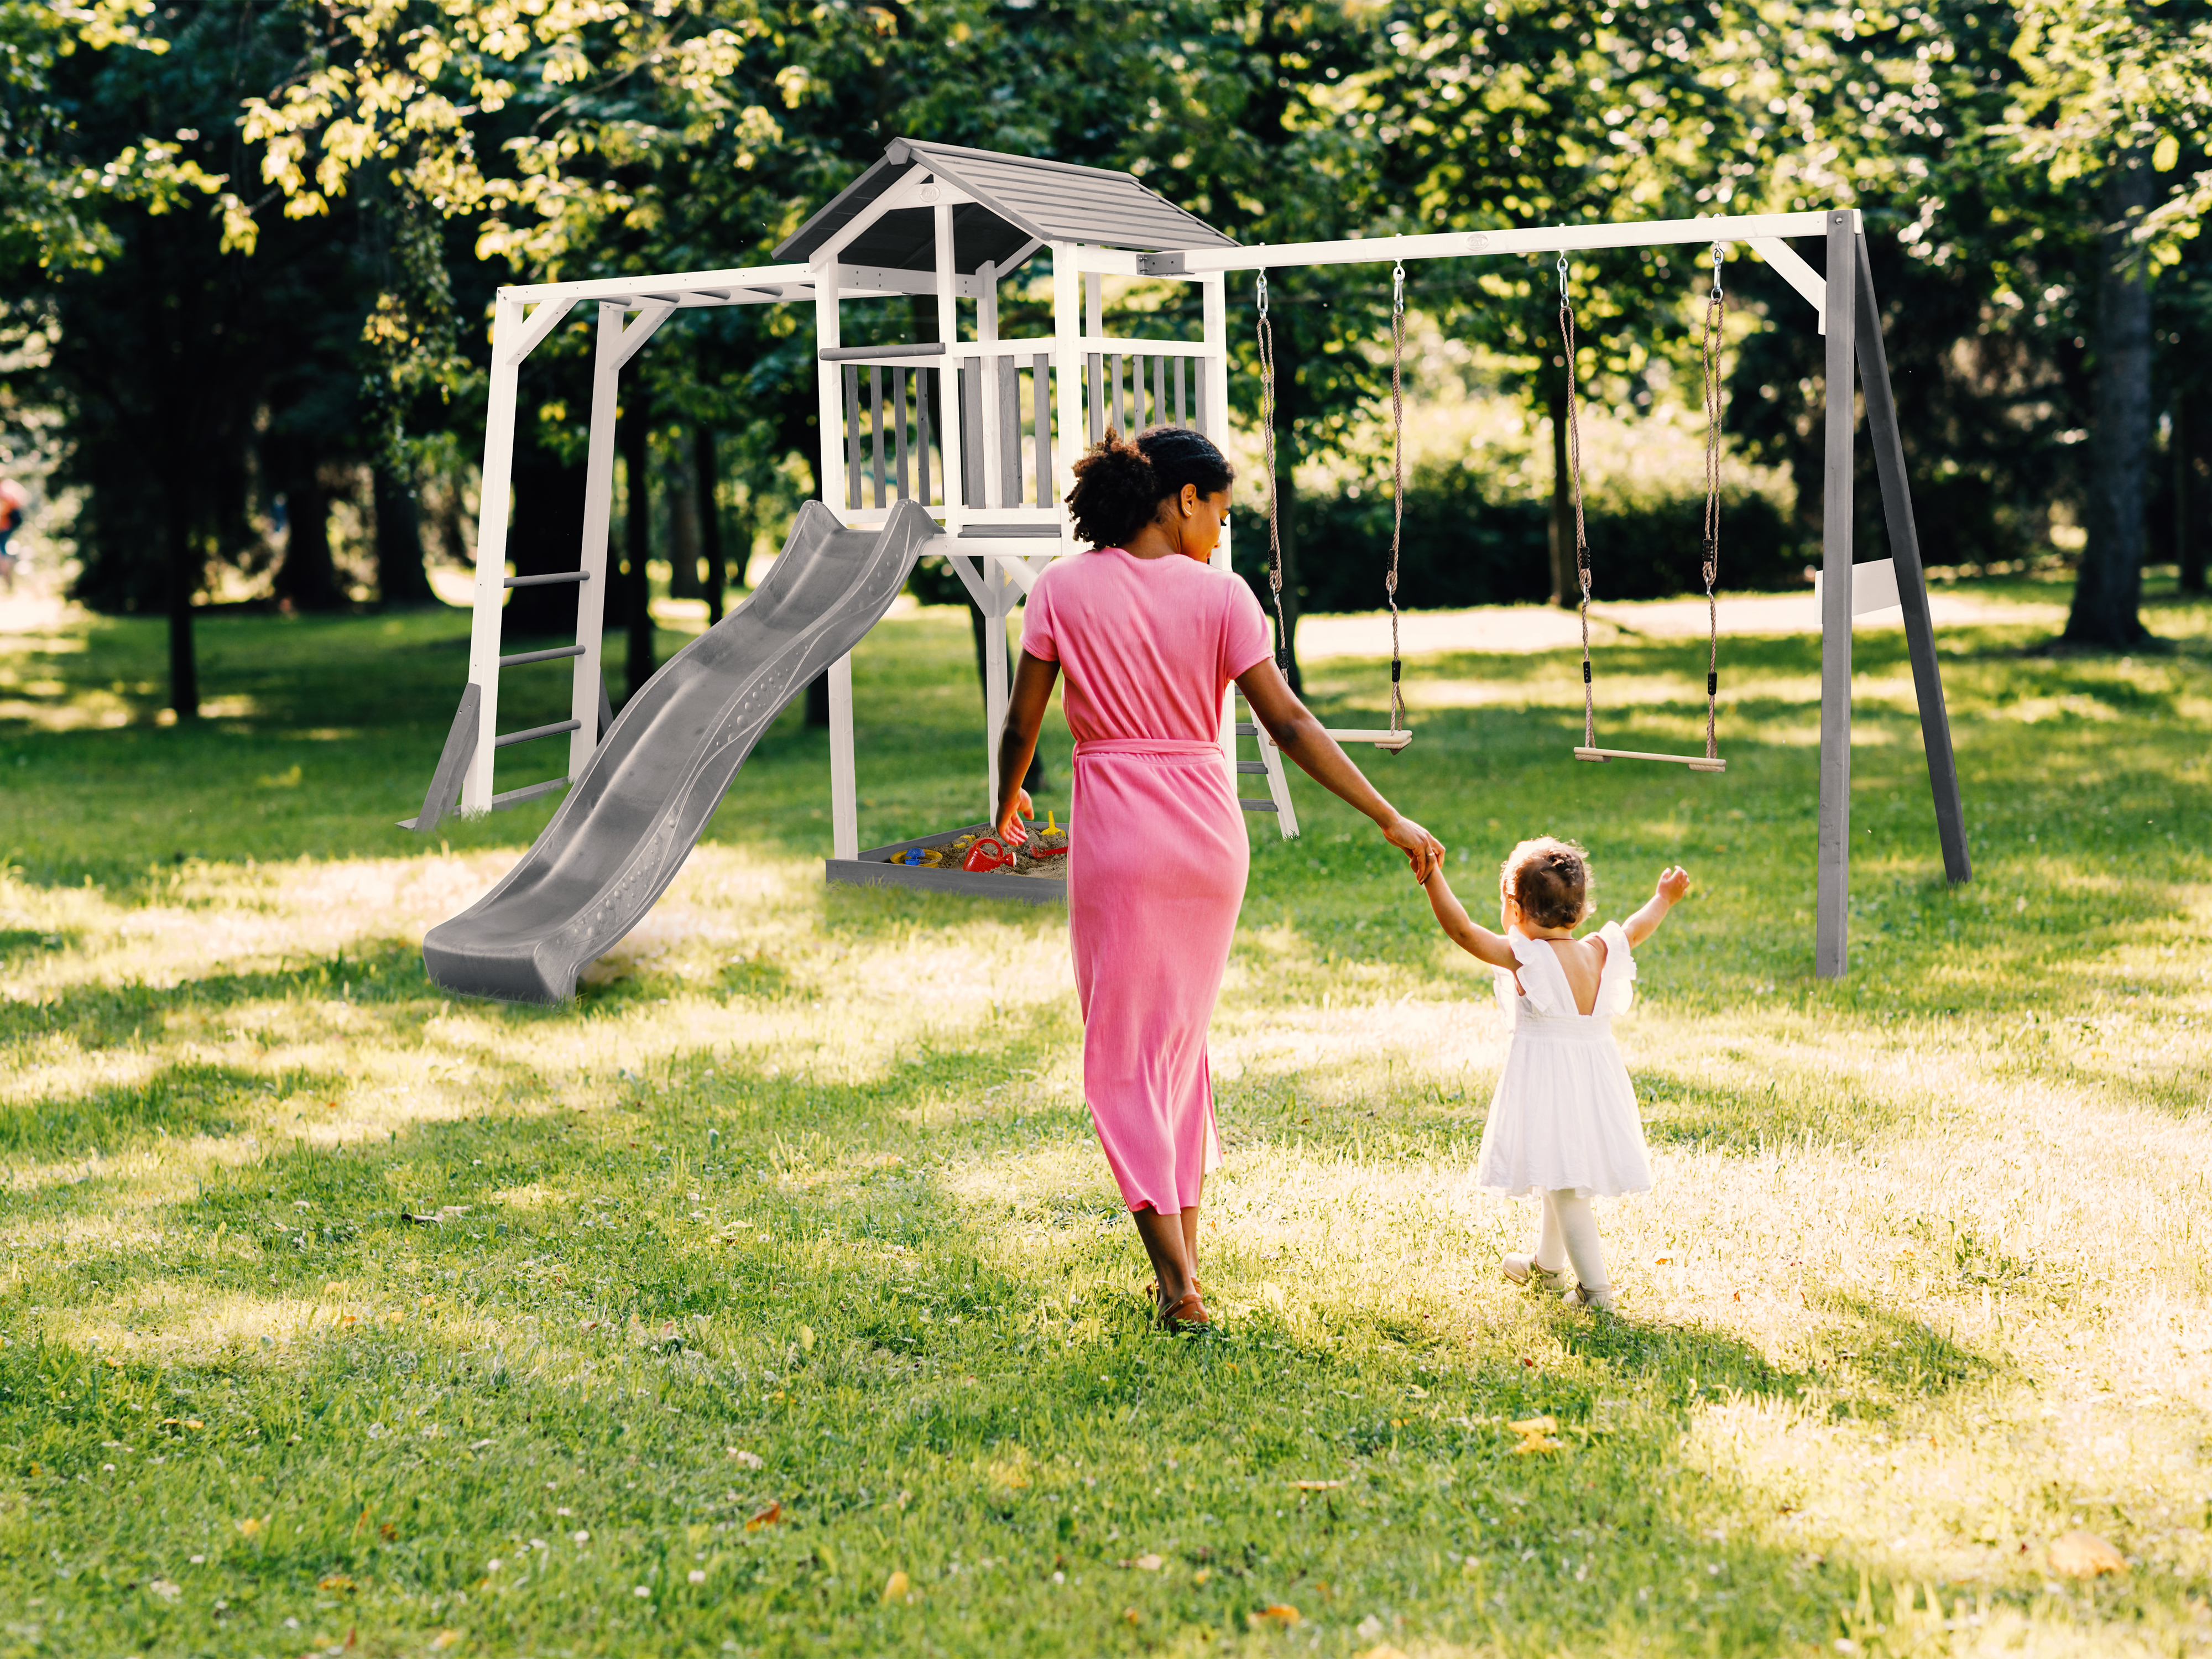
1149	635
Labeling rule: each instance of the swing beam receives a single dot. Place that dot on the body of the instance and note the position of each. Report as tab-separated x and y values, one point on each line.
1843	299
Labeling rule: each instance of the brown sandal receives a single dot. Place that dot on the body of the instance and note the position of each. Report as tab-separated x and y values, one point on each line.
1188	1313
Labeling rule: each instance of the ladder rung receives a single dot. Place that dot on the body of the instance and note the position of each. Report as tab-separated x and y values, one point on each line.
528	791
535	732
1252	766
522	657
547	582
1695	762
1252	806
1247	729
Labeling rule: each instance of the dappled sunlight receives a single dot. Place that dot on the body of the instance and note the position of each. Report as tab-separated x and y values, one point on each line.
798	1203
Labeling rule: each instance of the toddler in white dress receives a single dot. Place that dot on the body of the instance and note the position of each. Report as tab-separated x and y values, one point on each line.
1563	1124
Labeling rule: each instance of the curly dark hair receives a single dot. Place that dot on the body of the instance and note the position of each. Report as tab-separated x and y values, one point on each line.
1121	482
1550	879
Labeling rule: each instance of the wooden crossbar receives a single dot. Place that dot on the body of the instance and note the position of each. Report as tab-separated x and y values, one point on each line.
1695	762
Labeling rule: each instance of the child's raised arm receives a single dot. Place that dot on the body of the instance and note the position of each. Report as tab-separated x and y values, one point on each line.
1471	936
1674	882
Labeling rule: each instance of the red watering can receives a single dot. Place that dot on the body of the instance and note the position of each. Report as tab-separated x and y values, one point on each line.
988	853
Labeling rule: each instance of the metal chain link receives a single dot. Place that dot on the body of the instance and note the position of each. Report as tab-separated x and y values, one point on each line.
1716	316
1575	478
1397	477
1267	341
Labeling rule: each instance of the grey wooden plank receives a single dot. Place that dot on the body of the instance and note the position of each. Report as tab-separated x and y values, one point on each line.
1832	900
1160	392
852	436
876	427
1008	374
922	379
444	794
1041	401
1179	404
899	425
1094	384
971	432
1888	446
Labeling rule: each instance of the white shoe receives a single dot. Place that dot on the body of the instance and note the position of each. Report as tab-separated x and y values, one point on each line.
1522	1269
1582	1297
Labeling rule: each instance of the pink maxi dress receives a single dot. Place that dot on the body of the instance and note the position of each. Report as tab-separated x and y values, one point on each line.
1157	857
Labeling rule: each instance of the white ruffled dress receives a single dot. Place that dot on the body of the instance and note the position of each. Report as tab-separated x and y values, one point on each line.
1564	1113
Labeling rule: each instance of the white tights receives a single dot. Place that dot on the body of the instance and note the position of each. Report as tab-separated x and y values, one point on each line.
1570	1234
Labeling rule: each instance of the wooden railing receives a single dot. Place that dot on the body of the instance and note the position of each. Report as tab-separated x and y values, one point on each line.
894	409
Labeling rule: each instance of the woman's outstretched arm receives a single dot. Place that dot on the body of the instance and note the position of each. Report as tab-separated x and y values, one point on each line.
1033	678
1300	735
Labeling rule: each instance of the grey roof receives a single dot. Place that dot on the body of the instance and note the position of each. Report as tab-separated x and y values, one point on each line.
1018	200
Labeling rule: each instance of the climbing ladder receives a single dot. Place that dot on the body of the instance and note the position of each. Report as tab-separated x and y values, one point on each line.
1269	766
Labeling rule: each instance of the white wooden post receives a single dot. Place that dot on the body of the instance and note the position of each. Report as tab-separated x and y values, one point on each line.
1002	590
1213	299
844	795
1067	374
948	379
986	333
492	508
844	791
599	507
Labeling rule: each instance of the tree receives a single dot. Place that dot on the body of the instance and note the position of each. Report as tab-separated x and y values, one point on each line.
2109	92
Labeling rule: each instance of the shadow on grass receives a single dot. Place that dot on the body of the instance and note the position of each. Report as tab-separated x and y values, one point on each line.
190	1099
100	1016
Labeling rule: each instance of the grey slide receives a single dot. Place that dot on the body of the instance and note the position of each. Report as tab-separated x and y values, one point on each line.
631	820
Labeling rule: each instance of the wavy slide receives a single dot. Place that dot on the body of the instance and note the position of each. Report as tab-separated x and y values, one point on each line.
631	820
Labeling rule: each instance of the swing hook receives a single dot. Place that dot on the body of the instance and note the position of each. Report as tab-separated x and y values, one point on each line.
1718	257
1398	289
1563	270
1263	295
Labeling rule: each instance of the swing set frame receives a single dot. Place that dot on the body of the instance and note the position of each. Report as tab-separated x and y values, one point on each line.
1843	300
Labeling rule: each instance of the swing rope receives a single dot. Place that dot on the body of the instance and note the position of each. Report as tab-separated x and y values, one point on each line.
1397	736
1266	338
1716	316
1575	481
1397	479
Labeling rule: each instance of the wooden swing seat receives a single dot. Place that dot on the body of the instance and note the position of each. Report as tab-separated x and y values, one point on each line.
1393	741
1695	762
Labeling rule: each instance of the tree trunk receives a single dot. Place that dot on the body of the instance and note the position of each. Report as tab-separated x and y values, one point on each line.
681	491
707	475
308	580
637	539
184	573
1567	585
1286	494
400	578
2188	509
2109	589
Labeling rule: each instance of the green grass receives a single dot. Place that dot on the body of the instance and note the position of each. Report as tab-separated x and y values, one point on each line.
680	1320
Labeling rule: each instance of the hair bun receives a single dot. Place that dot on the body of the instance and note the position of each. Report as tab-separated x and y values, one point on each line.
1120	481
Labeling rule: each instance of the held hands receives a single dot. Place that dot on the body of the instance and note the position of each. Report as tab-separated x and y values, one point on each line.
1009	826
1424	853
1673	883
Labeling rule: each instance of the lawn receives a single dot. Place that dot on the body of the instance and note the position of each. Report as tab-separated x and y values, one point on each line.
774	1298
